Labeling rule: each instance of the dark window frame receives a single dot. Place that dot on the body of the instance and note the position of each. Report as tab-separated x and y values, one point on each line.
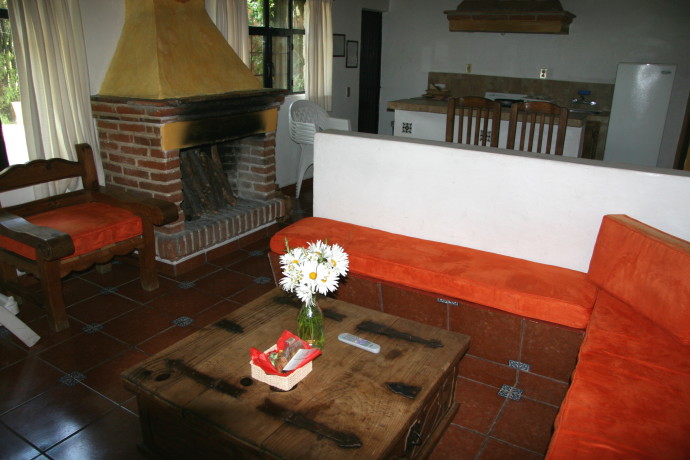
268	33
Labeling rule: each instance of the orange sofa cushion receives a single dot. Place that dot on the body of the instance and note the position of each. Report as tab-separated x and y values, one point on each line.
518	286
630	392
91	226
646	268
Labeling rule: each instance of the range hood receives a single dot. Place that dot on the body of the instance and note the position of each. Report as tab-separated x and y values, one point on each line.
172	49
510	16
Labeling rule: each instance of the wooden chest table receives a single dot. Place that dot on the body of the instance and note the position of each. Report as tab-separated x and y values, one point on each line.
194	401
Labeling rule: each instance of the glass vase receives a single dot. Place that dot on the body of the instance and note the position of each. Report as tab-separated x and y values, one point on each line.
310	323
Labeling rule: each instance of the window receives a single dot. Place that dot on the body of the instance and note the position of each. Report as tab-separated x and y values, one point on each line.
276	30
14	141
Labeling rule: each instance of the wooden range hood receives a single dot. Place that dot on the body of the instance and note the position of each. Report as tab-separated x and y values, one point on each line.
510	16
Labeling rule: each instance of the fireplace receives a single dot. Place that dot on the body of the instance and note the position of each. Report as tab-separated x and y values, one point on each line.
140	145
175	86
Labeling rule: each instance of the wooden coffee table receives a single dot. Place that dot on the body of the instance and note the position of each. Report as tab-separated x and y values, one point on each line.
197	399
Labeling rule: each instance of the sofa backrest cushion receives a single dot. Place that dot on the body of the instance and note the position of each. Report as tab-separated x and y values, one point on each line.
646	268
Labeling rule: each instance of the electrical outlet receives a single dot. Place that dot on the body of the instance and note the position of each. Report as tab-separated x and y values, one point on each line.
468	68
347	92
543	73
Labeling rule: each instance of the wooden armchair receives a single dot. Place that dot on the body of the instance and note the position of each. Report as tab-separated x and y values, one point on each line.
53	236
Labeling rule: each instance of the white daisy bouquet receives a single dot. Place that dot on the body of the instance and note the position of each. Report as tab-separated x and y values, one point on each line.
314	269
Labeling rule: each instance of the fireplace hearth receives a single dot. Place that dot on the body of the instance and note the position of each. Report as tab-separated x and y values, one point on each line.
140	145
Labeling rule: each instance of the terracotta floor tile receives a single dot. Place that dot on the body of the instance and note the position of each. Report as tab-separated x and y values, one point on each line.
251	292
216	312
542	389
114	436
139	325
76	289
166	338
14	447
197	273
457	444
49	338
479	405
120	274
101	308
105	378
497	450
495	335
24	380
527	424
83	352
134	291
30	312
488	372
255	265
10	352
184	302
551	350
56	414
230	259
224	283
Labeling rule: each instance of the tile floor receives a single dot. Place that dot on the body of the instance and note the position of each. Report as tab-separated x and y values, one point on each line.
62	398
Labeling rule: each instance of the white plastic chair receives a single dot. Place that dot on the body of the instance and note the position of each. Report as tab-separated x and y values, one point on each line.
306	118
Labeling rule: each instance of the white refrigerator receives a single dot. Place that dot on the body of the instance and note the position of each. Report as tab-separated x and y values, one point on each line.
641	97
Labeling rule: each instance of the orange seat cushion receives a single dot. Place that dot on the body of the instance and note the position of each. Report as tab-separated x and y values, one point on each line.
91	226
518	286
630	392
646	268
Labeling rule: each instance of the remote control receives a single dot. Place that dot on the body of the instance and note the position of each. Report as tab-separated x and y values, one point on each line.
359	342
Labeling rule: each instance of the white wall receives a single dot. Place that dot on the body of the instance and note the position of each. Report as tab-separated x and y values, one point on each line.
542	208
416	40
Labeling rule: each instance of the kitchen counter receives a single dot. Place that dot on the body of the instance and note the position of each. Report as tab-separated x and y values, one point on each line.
427	105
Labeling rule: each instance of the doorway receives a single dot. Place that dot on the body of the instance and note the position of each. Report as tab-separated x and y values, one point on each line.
370	72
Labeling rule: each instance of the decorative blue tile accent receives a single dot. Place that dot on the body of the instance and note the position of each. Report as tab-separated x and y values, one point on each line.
186	285
108	290
407	128
510	392
92	328
183	321
4	332
518	365
263	280
72	378
257	253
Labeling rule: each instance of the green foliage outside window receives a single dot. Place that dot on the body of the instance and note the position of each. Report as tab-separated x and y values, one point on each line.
9	82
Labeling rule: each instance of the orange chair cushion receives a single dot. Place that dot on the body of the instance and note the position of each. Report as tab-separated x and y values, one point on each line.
646	268
518	286
630	392
91	226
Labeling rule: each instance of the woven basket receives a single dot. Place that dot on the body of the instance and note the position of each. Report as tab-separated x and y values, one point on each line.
282	383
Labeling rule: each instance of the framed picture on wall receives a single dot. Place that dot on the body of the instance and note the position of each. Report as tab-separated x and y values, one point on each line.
352	59
338	45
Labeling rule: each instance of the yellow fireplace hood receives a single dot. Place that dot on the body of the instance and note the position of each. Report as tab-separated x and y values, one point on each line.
172	49
510	16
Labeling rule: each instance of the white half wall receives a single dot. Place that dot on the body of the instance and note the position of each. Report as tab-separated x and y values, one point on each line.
541	208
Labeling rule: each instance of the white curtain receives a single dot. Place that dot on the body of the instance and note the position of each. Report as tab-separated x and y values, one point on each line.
54	80
319	52
230	17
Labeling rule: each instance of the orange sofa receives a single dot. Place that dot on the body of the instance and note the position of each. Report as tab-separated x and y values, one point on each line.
630	392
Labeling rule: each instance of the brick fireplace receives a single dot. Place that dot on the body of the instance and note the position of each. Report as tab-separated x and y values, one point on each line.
140	144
